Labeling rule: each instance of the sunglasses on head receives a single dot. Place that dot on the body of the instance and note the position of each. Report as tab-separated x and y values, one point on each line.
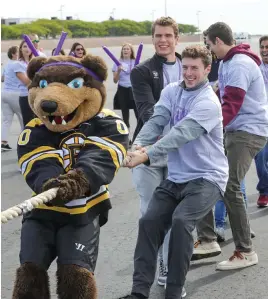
35	41
79	49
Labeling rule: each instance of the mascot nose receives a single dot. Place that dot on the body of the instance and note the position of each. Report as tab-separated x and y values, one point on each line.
49	106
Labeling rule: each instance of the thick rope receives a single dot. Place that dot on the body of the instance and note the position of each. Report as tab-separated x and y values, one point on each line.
33	202
28	205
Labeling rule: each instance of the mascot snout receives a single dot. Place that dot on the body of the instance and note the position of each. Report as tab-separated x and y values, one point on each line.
49	106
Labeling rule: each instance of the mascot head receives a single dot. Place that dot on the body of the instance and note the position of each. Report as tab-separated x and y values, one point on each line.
66	91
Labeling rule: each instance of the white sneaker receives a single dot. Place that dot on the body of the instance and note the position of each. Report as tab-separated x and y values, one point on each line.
204	250
162	274
239	260
183	293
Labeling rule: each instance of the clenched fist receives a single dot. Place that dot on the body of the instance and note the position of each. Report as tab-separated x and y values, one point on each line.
72	185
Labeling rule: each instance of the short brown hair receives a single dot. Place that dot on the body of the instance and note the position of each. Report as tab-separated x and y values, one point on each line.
263	38
11	51
222	31
166	21
198	51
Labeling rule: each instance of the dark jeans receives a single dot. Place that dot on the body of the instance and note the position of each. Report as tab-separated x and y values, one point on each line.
26	111
179	206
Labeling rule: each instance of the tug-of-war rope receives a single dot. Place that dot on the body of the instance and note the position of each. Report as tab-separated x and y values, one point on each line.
28	205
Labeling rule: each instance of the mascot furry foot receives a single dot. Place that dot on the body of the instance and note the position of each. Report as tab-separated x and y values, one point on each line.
75	282
31	282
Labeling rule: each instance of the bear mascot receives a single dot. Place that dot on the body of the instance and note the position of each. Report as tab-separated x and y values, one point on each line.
77	146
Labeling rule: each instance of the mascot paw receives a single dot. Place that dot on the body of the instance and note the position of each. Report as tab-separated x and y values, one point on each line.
75	282
31	283
72	185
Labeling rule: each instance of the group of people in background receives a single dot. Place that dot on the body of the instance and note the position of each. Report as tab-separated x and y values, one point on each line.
14	92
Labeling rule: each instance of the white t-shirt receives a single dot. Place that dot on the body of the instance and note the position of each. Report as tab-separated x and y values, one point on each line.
124	77
203	157
12	82
172	72
243	72
264	70
41	53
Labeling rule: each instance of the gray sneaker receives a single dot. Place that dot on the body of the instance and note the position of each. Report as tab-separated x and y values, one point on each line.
162	273
5	147
183	293
220	232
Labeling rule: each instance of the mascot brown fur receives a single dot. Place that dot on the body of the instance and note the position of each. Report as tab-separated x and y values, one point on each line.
77	146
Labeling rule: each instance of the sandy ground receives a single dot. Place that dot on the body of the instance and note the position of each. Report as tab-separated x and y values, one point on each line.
96	42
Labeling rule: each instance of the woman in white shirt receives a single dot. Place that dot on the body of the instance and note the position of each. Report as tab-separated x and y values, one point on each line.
123	99
10	96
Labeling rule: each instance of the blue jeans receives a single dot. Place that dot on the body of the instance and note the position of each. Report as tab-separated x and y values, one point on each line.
220	209
261	161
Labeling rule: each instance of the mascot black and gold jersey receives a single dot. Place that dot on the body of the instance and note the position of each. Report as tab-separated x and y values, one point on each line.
97	146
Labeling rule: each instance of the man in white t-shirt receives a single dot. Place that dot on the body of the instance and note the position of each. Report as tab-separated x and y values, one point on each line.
197	172
245	121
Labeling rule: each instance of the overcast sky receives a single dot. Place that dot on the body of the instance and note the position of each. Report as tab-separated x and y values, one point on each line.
242	15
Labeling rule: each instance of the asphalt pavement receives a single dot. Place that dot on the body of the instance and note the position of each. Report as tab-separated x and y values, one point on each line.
118	236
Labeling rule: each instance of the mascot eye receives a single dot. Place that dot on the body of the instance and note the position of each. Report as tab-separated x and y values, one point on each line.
76	83
43	83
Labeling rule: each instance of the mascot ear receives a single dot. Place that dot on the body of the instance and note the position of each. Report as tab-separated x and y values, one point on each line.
96	64
34	65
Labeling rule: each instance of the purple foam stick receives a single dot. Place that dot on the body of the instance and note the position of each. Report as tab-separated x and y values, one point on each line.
138	57
71	54
61	41
30	45
110	54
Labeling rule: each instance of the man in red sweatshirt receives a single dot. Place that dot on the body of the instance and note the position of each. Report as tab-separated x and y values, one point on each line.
245	120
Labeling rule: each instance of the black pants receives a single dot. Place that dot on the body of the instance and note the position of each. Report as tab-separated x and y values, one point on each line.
179	206
43	241
26	111
126	102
